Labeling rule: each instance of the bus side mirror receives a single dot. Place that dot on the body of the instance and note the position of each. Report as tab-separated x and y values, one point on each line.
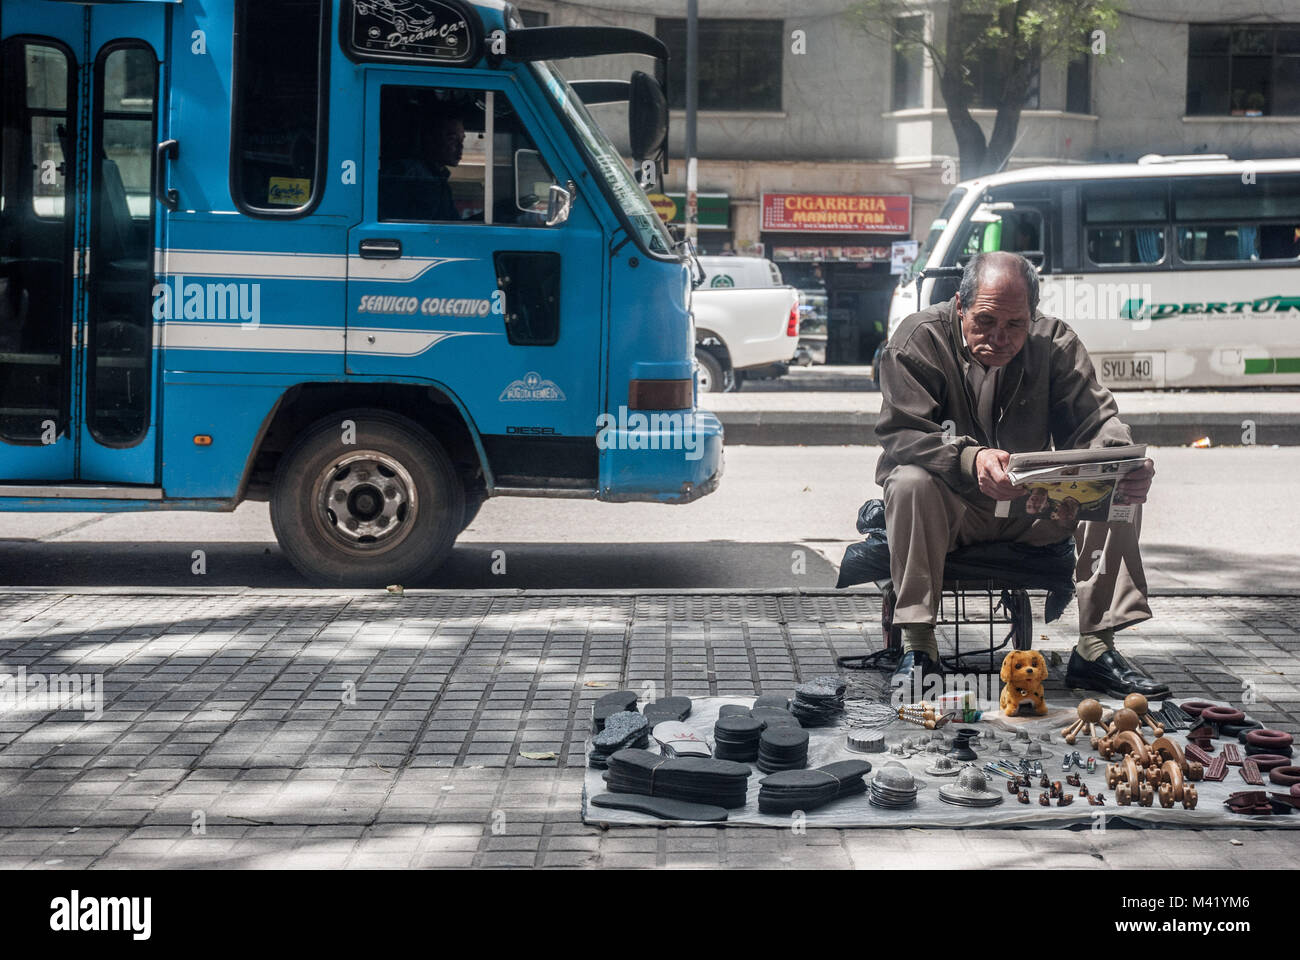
647	117
559	203
533	182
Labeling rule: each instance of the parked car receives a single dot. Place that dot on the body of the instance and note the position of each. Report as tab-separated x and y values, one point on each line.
746	322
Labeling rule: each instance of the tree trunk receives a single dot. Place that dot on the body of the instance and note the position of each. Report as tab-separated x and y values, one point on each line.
971	145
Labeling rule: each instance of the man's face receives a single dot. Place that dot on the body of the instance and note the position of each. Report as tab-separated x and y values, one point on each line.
996	322
445	142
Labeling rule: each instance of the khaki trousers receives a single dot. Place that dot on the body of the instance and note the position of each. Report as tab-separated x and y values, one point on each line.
926	520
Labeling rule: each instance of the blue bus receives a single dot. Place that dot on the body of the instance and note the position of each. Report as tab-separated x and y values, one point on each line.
372	261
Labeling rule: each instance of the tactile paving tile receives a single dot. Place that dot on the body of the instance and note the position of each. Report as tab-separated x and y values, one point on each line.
1250	773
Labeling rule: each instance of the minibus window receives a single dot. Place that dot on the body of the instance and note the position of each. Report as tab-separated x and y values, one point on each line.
277	136
118	375
436	146
1125	222
1223	219
629	196
37	153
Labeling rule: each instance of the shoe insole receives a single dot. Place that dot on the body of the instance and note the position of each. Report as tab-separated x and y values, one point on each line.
616	702
665	808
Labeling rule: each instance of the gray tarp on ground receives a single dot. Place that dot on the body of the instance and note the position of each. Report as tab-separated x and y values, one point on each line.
827	744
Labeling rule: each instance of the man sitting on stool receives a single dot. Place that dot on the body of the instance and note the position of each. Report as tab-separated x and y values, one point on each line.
965	384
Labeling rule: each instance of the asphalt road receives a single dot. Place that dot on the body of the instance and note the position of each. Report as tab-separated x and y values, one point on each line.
1222	519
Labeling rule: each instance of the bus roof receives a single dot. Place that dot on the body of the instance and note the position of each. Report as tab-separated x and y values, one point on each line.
1152	167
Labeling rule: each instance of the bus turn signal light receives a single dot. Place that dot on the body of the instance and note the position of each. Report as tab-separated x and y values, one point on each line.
660	394
202	440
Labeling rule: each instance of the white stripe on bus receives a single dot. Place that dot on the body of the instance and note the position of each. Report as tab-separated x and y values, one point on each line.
285	338
293	266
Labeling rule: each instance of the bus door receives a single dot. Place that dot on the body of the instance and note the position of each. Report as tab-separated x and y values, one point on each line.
80	225
477	267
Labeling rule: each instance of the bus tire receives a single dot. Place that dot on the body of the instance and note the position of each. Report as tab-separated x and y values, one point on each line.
385	509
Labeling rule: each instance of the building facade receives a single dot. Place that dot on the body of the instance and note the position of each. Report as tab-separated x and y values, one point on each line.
820	144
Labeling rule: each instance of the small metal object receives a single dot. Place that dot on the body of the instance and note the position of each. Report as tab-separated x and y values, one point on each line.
1038	768
1044	782
1077	760
1065	799
1056	789
1023	796
1073	780
1083	789
1092	764
1044	800
1067	762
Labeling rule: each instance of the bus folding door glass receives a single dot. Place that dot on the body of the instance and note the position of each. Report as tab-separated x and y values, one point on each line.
36	173
279	111
1125	222
121	318
432	154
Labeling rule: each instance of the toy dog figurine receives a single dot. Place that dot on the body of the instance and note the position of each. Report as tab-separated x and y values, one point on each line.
1023	673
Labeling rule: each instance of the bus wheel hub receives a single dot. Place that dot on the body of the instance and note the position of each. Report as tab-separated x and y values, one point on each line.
368	499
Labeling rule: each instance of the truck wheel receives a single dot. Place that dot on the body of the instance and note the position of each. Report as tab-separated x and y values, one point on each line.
712	379
385	509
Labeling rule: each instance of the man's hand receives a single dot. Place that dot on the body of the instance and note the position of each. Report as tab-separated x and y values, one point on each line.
1133	488
991	471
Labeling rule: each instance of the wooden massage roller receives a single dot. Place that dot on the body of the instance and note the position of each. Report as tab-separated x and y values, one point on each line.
1089	722
1127	780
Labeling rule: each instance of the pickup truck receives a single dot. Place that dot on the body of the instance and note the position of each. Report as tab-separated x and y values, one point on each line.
742	328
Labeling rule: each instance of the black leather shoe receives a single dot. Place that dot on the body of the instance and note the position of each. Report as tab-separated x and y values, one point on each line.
1113	675
911	674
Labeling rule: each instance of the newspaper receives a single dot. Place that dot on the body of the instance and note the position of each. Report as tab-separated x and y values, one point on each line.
1070	485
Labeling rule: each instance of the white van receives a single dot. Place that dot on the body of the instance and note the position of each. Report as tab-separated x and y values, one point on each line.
1174	271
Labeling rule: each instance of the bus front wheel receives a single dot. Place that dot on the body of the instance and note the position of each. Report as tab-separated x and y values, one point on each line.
366	498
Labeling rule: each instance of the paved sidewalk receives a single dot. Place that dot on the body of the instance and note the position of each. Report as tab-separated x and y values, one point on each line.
314	729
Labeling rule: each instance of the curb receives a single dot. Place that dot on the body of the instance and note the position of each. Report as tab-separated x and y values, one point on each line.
858	428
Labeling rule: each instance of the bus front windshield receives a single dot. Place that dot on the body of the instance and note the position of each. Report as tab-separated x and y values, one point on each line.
636	207
936	231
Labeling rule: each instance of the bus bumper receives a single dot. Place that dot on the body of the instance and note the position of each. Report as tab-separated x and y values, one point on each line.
665	458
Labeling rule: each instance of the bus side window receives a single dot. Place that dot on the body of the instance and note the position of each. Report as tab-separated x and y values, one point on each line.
1221	219
435	154
277	147
1125	222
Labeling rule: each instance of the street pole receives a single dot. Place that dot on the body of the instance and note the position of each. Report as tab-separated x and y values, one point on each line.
692	105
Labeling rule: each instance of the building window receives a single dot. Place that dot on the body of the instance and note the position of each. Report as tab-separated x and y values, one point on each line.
277	140
909	63
986	73
1078	84
740	63
1244	70
534	18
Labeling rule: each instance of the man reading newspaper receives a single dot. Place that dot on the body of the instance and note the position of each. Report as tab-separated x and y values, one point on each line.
966	384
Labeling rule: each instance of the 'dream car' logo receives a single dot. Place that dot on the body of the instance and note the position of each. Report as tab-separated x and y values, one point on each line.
531	387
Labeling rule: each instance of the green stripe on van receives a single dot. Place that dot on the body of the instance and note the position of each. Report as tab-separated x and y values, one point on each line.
1273	365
